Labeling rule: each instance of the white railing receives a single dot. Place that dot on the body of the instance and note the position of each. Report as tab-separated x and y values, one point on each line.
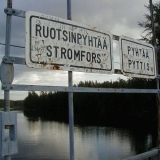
150	155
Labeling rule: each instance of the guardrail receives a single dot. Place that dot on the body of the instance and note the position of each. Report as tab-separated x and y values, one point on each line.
150	155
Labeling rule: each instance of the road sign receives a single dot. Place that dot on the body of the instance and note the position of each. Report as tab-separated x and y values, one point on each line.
59	44
137	58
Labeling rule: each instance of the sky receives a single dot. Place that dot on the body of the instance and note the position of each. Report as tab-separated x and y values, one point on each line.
120	17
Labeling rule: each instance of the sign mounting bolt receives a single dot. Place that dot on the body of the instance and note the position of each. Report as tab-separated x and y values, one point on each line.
5	59
4	87
12	60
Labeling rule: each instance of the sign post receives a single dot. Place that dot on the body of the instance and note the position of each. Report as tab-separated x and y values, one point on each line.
70	98
7	53
137	58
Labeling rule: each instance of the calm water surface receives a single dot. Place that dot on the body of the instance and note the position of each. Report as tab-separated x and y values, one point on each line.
49	140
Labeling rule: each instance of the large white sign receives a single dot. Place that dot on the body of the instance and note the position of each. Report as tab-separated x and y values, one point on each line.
58	44
137	58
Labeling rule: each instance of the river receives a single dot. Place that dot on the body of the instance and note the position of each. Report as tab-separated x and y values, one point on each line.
49	140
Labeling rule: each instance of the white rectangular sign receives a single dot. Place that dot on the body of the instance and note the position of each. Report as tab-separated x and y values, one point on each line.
59	44
137	58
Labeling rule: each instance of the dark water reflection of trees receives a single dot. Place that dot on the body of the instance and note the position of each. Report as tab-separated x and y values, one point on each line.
140	139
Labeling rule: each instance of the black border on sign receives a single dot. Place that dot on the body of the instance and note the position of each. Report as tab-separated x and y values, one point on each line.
30	19
138	44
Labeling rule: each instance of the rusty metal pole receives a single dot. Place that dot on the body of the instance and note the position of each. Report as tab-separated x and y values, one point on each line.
70	98
7	53
157	80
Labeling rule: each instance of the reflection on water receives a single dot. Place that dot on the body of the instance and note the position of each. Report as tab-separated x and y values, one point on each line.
46	140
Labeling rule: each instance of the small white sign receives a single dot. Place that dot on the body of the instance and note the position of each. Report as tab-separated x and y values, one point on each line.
59	44
137	58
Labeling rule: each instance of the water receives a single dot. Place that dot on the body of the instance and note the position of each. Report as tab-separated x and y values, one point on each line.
49	140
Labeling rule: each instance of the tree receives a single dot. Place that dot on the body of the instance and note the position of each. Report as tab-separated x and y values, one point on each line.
31	101
147	25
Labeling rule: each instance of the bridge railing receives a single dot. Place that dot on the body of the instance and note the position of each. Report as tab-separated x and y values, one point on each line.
150	155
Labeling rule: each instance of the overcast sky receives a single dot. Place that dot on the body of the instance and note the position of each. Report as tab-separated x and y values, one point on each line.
120	17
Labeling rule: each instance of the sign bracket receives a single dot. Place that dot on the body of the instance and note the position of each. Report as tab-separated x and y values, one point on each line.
14	12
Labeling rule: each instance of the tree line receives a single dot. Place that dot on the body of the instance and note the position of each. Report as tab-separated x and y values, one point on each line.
14	104
98	108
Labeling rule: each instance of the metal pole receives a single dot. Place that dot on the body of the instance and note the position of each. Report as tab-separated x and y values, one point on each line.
152	21
69	9
70	98
154	40
71	117
157	80
7	53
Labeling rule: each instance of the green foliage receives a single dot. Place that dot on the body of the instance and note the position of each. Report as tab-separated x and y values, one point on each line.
147	25
31	102
46	103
